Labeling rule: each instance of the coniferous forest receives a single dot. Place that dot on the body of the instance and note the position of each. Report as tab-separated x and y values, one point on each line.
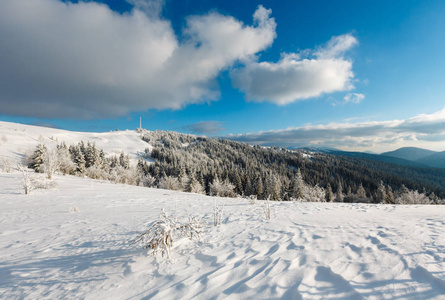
221	167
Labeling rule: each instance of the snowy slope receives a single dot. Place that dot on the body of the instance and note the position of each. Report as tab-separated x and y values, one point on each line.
16	139
307	250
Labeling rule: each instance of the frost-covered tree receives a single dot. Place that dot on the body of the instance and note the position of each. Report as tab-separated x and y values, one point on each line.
314	193
412	197
51	162
389	198
66	165
124	160
170	183
339	194
361	192
259	188
329	194
381	192
37	159
26	181
78	158
222	188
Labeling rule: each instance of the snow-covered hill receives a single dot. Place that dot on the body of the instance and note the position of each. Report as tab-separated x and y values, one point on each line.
307	250
16	139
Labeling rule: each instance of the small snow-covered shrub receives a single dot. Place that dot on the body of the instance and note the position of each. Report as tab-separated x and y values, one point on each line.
5	164
159	236
74	209
267	209
217	214
42	183
170	183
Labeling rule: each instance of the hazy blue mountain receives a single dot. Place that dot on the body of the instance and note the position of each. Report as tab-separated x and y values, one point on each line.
370	156
436	160
410	153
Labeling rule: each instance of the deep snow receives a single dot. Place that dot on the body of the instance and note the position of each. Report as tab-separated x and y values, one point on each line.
307	250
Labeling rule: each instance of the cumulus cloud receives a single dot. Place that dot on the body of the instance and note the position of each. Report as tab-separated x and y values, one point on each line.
425	130
205	127
294	77
83	60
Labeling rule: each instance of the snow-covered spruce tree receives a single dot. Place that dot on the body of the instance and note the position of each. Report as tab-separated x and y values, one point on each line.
78	158
297	186
381	193
339	195
37	159
389	198
259	188
329	194
194	186
124	160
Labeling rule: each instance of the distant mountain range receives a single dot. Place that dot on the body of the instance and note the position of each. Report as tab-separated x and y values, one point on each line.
422	156
406	156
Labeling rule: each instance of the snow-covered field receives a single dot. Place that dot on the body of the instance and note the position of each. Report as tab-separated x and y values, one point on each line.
307	250
16	139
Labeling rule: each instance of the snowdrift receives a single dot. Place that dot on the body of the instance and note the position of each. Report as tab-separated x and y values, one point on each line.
306	251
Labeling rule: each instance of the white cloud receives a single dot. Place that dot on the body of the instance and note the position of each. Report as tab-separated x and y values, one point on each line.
354	98
295	78
426	130
83	60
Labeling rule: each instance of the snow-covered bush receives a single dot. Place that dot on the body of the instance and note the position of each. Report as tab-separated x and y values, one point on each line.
222	188
41	183
95	172
5	164
74	209
412	197
252	199
314	193
170	183
159	236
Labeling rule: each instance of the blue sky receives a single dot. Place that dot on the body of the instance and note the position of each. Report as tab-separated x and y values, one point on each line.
354	75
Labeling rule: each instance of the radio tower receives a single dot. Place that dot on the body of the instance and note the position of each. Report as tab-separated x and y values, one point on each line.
140	122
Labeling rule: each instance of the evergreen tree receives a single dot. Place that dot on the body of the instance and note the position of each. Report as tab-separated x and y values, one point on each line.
361	193
37	160
339	194
381	192
329	194
389	199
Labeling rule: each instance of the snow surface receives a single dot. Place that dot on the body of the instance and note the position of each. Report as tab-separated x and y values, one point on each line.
16	139
307	250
